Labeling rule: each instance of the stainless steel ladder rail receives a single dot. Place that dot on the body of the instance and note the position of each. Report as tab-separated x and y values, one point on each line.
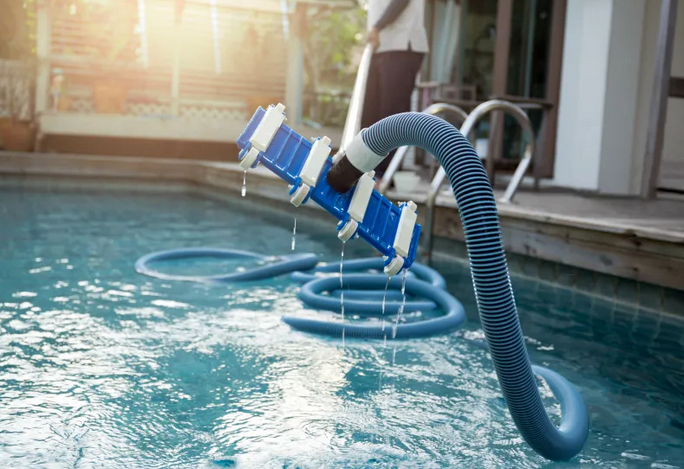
466	129
400	154
352	124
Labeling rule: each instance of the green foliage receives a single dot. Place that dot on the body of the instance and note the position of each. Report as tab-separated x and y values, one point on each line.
332	39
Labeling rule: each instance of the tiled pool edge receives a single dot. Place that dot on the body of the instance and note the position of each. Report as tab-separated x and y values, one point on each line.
224	180
623	254
619	291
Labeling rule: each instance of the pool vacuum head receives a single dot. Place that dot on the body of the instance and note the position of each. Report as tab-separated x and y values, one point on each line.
361	210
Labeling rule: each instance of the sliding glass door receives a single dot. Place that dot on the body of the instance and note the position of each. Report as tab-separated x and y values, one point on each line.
507	49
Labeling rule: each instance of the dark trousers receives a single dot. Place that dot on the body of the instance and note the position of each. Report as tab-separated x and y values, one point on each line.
391	80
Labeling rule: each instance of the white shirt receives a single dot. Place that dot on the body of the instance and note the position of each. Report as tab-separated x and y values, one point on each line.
407	30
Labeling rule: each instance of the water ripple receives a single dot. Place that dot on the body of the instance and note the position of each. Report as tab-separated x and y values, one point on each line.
101	367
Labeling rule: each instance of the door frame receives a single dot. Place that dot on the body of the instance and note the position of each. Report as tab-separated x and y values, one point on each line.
544	160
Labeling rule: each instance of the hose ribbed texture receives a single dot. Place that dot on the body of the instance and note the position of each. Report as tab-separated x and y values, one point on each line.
310	294
491	281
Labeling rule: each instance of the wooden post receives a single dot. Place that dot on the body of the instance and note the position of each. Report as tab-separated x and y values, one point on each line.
295	65
215	35
504	16
676	87
175	70
43	37
546	152
661	91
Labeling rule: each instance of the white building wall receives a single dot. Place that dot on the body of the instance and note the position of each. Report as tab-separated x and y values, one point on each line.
583	82
599	95
672	171
676	140
645	92
622	92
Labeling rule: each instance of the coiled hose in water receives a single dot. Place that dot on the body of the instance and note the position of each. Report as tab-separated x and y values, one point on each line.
371	299
491	281
282	265
363	292
310	293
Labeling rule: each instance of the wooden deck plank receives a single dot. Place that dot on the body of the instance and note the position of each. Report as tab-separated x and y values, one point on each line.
653	261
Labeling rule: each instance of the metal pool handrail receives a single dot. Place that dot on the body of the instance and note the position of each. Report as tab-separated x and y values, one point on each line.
352	125
466	129
400	154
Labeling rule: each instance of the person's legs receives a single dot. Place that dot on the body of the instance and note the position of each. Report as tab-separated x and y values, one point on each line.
397	70
371	104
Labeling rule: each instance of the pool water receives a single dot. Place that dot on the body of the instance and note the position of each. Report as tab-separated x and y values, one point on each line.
101	367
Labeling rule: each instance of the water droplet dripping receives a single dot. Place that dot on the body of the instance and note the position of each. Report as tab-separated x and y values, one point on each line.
342	264
384	300
244	184
403	304
342	289
294	233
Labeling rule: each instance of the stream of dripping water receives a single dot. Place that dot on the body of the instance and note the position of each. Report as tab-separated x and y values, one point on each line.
384	300
294	233
384	335
342	289
244	184
403	304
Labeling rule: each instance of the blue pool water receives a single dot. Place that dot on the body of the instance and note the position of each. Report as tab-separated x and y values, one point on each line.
101	367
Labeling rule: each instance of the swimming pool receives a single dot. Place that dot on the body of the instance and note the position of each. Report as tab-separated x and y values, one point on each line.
102	367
